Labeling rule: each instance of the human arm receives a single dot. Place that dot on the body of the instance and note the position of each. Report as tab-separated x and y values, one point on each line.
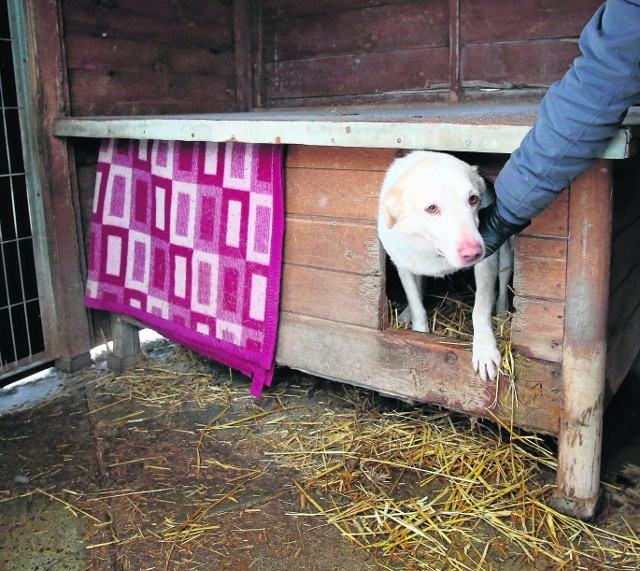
577	119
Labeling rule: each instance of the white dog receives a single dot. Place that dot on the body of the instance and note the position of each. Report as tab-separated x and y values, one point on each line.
428	224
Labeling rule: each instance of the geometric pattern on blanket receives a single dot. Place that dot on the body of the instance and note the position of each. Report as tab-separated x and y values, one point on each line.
187	238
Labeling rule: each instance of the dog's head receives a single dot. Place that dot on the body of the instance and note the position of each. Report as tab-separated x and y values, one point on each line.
437	199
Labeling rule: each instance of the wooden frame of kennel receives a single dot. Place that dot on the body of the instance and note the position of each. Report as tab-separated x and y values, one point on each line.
333	308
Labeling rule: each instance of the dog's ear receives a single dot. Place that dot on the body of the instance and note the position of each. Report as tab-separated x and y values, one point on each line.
479	181
391	204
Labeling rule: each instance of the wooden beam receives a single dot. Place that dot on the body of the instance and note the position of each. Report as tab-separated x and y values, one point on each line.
454	53
585	342
417	366
59	193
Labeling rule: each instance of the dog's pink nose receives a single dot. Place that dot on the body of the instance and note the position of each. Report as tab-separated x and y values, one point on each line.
470	252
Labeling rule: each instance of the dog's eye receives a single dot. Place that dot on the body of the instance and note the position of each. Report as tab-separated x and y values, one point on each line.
431	209
473	199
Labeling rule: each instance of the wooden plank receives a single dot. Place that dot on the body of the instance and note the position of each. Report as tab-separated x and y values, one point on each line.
279	9
158	22
339	158
374	73
333	245
552	222
537	328
517	63
72	337
540	267
623	301
336	296
242	20
626	194
454	55
585	341
155	108
532	19
625	259
98	53
334	194
415	366
622	350
110	86
390	27
188	13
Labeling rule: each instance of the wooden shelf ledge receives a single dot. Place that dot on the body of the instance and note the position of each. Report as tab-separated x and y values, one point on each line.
455	128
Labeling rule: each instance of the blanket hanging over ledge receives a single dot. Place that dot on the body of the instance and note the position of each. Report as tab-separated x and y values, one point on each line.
187	238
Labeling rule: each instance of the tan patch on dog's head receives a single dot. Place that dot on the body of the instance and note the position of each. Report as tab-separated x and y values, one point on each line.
392	205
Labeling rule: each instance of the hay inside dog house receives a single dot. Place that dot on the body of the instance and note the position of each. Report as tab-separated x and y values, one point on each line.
344	87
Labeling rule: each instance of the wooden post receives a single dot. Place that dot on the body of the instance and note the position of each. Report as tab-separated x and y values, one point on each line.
126	344
454	54
585	342
242	45
46	59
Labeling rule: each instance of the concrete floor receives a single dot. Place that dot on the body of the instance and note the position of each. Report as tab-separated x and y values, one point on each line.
72	453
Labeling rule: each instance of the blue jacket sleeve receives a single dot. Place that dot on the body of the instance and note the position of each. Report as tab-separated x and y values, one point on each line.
579	114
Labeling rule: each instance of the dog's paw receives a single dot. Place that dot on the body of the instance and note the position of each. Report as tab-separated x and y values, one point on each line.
420	325
486	358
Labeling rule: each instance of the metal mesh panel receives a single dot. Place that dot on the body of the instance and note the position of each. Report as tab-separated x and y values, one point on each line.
21	334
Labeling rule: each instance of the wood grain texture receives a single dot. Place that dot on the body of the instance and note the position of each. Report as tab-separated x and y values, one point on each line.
387	27
415	366
335	296
540	267
71	336
348	194
333	245
537	328
533	19
360	74
517	63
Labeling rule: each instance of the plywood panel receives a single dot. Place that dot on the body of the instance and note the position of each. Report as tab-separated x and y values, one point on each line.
415	366
540	267
335	296
330	244
332	193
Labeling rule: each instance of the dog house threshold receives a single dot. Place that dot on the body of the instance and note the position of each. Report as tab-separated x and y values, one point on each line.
453	128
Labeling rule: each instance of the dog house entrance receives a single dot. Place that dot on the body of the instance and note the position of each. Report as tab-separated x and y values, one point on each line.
448	301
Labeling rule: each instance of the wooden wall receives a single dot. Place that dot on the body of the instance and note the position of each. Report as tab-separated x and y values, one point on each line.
623	331
149	56
334	306
366	51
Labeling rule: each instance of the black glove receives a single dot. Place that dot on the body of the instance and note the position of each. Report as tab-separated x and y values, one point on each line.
495	230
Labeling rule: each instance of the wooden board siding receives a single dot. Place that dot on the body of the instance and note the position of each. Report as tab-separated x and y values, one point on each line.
417	366
328	52
332	258
540	268
356	52
149	57
623	328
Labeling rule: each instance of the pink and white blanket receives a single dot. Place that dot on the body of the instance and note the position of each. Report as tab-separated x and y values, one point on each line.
187	238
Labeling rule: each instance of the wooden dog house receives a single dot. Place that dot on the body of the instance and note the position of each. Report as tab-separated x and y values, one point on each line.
346	86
